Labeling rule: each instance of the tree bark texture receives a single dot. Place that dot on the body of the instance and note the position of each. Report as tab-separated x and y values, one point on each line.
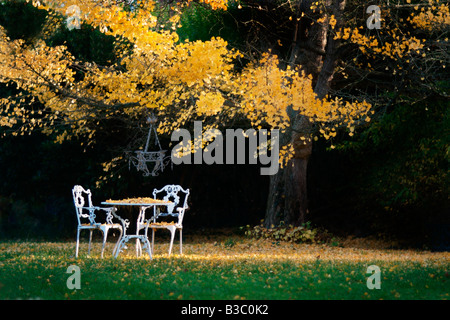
288	199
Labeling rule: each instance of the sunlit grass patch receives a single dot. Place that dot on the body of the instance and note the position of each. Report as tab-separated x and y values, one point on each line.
220	268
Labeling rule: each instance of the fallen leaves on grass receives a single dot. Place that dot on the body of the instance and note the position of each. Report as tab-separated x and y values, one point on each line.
221	267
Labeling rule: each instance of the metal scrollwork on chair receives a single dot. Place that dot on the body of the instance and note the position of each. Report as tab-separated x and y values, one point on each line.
178	198
142	157
79	194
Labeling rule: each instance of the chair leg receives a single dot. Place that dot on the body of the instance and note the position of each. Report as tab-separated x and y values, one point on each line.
78	243
120	244
147	246
153	240
90	240
181	241
105	236
172	236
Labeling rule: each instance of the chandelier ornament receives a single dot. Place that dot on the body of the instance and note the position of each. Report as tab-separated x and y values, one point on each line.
143	158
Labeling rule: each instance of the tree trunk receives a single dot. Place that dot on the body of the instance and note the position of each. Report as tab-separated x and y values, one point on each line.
288	200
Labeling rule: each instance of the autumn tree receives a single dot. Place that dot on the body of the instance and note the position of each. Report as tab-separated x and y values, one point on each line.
180	81
399	58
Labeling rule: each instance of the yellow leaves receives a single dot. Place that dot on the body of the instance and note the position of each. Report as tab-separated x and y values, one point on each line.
399	46
333	21
40	71
344	35
352	130
199	63
112	19
209	103
180	80
272	91
433	18
395	40
216	4
322	20
267	97
286	154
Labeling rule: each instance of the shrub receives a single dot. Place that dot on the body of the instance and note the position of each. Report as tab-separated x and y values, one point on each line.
304	233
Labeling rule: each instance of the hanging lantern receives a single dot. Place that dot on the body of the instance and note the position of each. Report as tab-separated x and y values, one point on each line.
143	158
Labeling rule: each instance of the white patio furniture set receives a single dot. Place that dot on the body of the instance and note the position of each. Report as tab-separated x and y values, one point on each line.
172	205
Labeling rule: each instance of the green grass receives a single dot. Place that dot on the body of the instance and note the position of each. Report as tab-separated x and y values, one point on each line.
213	270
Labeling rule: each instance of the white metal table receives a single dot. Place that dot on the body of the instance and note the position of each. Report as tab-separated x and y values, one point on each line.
143	205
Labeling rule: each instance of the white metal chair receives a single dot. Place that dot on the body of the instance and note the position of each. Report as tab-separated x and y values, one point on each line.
86	213
173	213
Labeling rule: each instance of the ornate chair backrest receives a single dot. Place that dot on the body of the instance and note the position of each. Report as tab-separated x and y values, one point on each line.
179	198
79	200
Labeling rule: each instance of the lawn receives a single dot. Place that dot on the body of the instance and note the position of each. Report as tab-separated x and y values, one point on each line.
227	267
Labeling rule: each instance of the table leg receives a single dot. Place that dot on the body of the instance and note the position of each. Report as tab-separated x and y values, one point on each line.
126	238
116	246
